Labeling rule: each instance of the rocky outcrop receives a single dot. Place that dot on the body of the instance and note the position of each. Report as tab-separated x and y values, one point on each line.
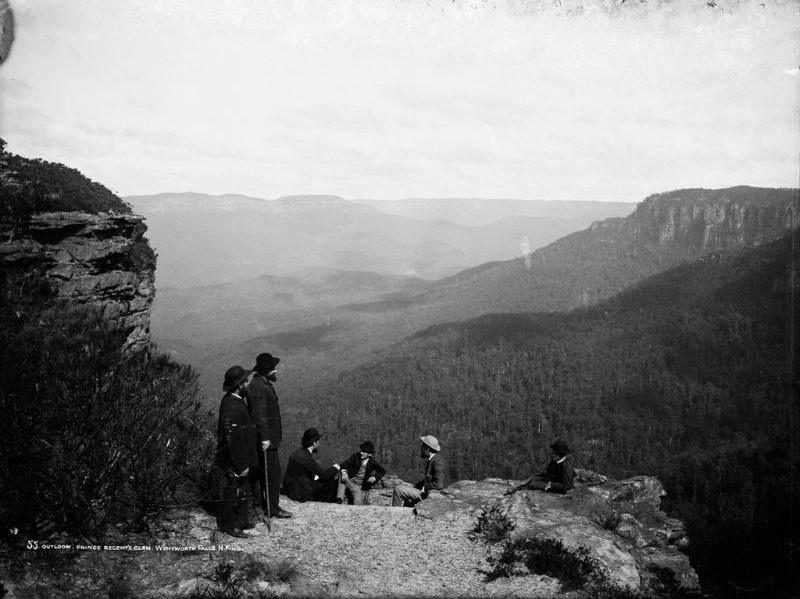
98	260
380	551
619	523
710	220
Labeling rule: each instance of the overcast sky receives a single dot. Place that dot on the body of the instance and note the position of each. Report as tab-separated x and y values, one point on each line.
548	99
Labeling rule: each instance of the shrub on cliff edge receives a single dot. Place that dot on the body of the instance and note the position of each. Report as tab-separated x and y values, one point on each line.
88	436
30	185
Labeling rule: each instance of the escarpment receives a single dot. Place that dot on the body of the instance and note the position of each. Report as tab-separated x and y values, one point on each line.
100	261
66	240
710	220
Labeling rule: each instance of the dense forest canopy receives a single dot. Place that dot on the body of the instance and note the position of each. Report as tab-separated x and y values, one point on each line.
689	375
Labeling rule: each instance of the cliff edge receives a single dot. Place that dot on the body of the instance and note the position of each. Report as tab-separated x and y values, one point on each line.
605	536
96	260
65	239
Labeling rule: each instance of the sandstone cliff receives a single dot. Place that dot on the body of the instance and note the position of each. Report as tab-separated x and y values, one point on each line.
98	260
692	222
710	220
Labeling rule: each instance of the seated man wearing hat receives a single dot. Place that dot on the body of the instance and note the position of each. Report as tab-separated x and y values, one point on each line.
408	496
558	476
305	479
360	472
236	453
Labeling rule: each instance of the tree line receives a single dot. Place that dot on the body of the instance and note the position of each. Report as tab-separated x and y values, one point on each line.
688	376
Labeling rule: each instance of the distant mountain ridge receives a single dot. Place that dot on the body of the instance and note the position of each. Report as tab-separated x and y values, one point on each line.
478	211
204	240
576	271
584	267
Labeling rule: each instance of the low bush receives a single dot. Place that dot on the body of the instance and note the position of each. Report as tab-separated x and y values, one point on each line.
573	567
89	436
281	571
232	578
493	524
33	185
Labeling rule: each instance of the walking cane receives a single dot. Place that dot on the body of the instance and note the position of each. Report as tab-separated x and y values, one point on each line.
265	491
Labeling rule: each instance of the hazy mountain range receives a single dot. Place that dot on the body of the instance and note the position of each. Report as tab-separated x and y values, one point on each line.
203	240
659	342
473	212
319	315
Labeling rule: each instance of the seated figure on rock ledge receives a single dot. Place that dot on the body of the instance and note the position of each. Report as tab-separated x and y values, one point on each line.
434	480
558	476
305	479
358	474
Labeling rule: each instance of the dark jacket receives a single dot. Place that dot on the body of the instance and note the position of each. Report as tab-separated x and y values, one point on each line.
434	475
265	411
298	482
236	435
353	463
560	476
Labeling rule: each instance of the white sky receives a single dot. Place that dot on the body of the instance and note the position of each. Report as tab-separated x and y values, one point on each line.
389	99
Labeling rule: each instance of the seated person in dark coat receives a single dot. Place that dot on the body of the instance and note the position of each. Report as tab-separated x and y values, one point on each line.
305	479
433	481
360	472
558	476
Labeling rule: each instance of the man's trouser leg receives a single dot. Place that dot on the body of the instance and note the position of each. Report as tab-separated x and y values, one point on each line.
341	487
405	496
356	493
232	502
325	491
274	471
537	483
256	478
241	503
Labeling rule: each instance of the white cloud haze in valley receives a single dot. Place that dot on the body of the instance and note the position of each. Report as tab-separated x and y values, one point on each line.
576	101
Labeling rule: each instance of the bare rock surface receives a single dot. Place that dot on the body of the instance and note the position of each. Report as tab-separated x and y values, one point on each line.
381	551
433	551
100	260
619	522
365	551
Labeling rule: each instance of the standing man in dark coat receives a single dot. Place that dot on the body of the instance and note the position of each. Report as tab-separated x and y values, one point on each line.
305	479
266	414
559	475
434	480
360	472
236	453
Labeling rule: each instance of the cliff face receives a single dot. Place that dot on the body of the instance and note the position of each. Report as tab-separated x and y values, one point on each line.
99	260
710	220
